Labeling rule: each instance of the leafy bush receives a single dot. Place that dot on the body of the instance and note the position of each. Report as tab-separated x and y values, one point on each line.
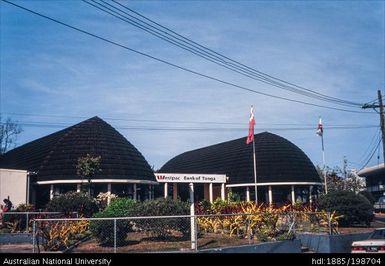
103	230
369	196
18	222
121	207
58	235
355	208
73	202
162	227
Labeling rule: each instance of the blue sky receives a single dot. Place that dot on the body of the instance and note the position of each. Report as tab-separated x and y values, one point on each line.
53	77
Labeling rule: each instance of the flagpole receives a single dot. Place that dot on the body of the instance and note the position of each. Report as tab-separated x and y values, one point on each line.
323	162
255	174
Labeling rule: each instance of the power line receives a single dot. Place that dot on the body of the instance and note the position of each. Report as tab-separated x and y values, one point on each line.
159	128
225	57
208	54
367	152
180	67
373	152
180	121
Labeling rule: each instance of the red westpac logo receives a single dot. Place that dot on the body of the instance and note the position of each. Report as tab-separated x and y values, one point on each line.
160	177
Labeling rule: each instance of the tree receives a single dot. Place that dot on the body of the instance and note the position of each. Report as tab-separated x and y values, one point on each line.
8	134
87	167
338	179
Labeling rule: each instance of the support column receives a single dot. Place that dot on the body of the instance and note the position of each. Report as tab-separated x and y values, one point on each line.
292	195
174	191
310	197
247	194
223	191
51	190
149	192
270	195
109	193
28	189
165	190
78	187
134	196
211	192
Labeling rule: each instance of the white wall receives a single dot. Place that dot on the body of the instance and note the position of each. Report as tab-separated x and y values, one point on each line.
13	183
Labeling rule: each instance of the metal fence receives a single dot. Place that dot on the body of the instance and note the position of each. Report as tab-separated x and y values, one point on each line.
171	233
21	222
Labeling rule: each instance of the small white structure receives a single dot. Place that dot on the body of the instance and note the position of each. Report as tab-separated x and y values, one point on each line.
14	185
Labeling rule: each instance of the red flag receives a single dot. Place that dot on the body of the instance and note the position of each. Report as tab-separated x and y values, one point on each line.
250	136
320	128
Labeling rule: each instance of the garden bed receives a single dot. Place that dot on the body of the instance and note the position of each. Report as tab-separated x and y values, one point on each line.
140	242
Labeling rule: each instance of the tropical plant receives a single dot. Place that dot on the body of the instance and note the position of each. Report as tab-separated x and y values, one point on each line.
58	235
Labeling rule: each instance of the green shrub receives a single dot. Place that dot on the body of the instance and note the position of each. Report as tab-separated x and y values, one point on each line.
103	230
369	196
162	227
355	208
73	202
121	207
285	236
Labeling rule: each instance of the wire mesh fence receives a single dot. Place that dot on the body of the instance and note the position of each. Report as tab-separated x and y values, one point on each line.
121	234
171	233
21	222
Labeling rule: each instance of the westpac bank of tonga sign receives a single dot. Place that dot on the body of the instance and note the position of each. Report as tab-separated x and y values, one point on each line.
190	178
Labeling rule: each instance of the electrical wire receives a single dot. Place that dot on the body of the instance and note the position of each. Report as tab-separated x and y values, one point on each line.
203	129
180	67
367	152
225	57
210	55
371	156
174	121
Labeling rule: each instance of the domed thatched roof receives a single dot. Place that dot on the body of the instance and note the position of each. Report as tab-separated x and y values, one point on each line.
55	156
277	160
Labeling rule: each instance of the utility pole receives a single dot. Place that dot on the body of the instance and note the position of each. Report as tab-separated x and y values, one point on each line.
381	106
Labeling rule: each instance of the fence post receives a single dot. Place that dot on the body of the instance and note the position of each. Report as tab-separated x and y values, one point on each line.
115	235
196	233
26	223
33	235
